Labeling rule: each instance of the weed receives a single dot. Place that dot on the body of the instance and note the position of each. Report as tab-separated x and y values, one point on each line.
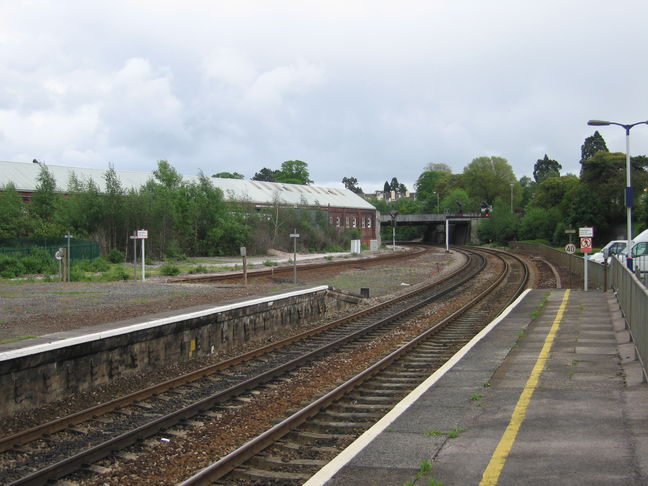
454	433
476	396
270	263
434	432
487	384
169	269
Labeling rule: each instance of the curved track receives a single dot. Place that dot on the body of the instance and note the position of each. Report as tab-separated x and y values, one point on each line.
205	392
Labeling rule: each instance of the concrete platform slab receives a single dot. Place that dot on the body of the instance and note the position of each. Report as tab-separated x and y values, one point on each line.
585	421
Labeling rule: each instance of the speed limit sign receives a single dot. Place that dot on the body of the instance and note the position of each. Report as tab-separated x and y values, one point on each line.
570	248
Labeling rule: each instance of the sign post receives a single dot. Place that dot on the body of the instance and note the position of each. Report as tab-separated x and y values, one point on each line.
68	255
294	236
244	255
142	235
585	234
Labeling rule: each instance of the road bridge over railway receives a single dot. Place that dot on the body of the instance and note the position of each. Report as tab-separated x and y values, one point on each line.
451	228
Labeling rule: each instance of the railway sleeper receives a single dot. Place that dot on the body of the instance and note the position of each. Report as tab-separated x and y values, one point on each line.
372	399
293	447
377	409
327	426
267	461
248	473
358	416
308	437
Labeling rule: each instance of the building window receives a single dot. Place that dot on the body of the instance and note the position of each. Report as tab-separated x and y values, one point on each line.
337	222
362	222
355	222
368	222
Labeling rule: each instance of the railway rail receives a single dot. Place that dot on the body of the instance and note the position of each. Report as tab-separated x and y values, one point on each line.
82	439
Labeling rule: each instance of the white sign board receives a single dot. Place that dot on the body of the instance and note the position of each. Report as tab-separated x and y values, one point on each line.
570	248
586	232
142	234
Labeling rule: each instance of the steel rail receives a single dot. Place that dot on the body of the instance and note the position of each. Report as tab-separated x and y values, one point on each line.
255	273
237	457
33	433
126	439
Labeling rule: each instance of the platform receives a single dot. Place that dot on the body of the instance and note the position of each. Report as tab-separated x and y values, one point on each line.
549	394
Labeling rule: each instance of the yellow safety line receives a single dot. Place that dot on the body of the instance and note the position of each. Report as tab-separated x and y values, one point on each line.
494	469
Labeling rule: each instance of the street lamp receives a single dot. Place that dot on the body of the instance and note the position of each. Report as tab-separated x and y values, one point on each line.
393	213
511	197
628	189
437	195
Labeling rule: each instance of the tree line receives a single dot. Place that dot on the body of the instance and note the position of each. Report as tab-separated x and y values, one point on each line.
183	218
538	208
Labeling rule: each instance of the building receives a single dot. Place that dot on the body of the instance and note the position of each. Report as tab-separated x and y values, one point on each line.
345	209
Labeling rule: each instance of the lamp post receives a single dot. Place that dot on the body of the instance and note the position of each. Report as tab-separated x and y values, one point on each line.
511	198
628	189
437	195
393	213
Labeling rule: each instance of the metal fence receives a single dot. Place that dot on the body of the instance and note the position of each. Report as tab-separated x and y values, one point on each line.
22	247
630	290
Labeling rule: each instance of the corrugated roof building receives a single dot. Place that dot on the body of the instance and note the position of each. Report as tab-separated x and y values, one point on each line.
345	208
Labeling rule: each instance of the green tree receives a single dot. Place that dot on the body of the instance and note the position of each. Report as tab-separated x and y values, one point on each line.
551	192
449	203
14	220
265	175
44	205
487	178
501	227
351	183
539	223
113	200
593	144
229	175
545	168
294	172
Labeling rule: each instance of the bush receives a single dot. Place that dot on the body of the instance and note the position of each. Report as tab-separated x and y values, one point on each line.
199	269
11	267
118	272
115	256
169	269
99	264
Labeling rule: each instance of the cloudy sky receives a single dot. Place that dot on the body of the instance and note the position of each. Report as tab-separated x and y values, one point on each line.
371	89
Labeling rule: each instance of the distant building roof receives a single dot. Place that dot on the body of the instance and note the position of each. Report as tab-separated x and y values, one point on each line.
24	177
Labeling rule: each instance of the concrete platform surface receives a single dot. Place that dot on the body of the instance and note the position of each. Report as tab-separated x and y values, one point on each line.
546	397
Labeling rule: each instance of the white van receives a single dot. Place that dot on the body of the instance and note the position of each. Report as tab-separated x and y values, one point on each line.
614	247
639	251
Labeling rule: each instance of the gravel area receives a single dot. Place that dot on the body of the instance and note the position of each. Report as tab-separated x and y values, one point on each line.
29	309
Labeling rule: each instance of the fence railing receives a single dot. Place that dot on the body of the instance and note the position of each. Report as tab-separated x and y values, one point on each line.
631	292
79	249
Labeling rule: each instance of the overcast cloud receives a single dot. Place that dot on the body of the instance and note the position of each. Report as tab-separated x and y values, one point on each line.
370	89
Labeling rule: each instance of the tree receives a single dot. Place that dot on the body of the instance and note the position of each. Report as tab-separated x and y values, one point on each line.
351	183
294	172
427	189
386	188
265	175
229	175
552	192
14	222
394	185
438	167
488	178
545	168
592	145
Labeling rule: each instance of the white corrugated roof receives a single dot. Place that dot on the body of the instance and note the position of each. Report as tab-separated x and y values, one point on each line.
24	178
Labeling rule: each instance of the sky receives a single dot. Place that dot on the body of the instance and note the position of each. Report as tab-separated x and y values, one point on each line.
368	89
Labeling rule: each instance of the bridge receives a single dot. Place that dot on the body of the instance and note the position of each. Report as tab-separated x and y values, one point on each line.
451	228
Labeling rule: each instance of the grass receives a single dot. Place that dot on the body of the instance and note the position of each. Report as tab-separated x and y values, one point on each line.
16	339
425	469
476	396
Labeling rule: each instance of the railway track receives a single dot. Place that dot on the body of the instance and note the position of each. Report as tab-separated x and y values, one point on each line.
286	271
78	441
292	451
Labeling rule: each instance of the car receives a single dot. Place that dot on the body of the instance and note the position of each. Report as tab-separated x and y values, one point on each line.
614	247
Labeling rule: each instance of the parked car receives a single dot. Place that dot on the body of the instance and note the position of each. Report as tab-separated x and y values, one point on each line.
639	252
613	248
